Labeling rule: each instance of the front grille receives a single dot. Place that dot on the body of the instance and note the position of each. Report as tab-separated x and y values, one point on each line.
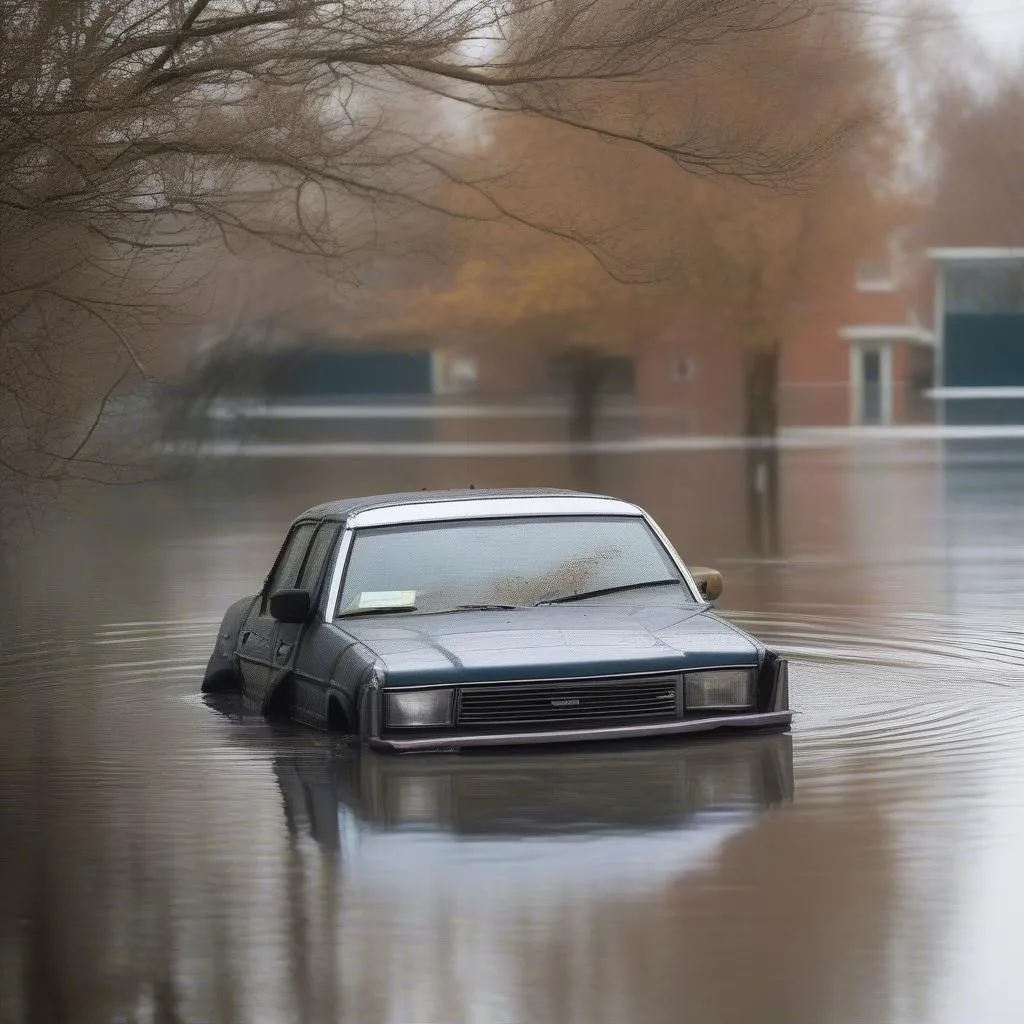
567	704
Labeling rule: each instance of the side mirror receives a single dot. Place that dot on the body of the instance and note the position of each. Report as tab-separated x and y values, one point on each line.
291	605
709	582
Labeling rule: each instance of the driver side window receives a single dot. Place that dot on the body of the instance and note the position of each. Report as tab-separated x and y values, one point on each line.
286	572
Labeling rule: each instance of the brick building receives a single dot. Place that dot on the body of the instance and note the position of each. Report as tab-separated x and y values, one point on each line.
906	337
861	353
979	332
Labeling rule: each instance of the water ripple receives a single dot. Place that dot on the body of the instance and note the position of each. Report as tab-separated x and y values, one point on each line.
859	685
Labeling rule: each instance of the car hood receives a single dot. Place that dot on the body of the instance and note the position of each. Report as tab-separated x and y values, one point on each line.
550	643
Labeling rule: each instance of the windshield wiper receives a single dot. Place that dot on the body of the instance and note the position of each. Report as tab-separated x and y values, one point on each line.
484	607
434	611
609	590
475	607
378	611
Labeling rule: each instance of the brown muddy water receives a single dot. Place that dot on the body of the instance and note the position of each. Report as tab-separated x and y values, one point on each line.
164	860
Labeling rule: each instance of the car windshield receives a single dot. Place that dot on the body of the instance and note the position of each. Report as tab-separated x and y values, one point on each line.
522	562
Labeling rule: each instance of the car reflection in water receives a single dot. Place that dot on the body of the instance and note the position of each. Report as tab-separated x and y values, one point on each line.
599	791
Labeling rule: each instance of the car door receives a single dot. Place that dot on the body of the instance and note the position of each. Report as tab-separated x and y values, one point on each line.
257	643
296	645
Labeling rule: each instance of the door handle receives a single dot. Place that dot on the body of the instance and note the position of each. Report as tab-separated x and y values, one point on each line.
283	648
244	637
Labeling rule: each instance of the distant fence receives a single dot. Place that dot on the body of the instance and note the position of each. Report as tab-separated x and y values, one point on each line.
986	406
426	418
814	405
443	418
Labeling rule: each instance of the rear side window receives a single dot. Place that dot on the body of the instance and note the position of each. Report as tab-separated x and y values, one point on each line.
289	564
319	551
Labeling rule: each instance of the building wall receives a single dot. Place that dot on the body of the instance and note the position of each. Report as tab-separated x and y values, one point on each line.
506	374
689	381
815	376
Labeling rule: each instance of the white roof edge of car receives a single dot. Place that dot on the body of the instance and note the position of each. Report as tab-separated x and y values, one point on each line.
491	508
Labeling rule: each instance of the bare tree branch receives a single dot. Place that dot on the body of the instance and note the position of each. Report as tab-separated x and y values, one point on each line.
168	51
145	142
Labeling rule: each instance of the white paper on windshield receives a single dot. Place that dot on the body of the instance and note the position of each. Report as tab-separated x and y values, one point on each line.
386	599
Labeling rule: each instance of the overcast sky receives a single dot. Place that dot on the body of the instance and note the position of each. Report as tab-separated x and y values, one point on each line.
999	23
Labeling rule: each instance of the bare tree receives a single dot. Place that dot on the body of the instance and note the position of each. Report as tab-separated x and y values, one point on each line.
136	133
978	185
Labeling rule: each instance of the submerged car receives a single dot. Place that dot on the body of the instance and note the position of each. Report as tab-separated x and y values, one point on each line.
442	620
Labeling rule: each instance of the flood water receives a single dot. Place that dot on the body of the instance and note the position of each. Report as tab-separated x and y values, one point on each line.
163	859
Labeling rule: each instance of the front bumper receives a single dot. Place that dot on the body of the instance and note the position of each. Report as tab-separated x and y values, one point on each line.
457	741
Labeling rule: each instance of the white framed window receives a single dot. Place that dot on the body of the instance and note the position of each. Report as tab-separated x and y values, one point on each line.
871	375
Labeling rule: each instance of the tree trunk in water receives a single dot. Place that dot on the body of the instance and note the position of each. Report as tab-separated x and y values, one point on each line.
761	424
586	370
586	375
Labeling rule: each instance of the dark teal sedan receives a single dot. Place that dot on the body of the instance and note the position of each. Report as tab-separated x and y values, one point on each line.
450	619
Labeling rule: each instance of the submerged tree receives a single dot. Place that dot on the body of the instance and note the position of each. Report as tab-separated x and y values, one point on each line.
751	257
542	301
768	263
138	136
979	153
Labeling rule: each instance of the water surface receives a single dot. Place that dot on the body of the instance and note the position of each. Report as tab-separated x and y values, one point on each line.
167	859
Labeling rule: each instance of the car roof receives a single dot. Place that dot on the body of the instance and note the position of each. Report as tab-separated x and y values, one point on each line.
422	506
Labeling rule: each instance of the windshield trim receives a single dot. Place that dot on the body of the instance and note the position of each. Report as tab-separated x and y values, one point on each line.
344	546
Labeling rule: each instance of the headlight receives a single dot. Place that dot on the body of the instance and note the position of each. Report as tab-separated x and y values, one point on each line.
719	689
418	709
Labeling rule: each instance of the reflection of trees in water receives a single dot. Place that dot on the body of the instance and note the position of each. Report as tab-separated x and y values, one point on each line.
313	899
95	905
758	478
817	913
117	904
137	871
451	950
792	920
789	923
150	872
763	486
133	895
